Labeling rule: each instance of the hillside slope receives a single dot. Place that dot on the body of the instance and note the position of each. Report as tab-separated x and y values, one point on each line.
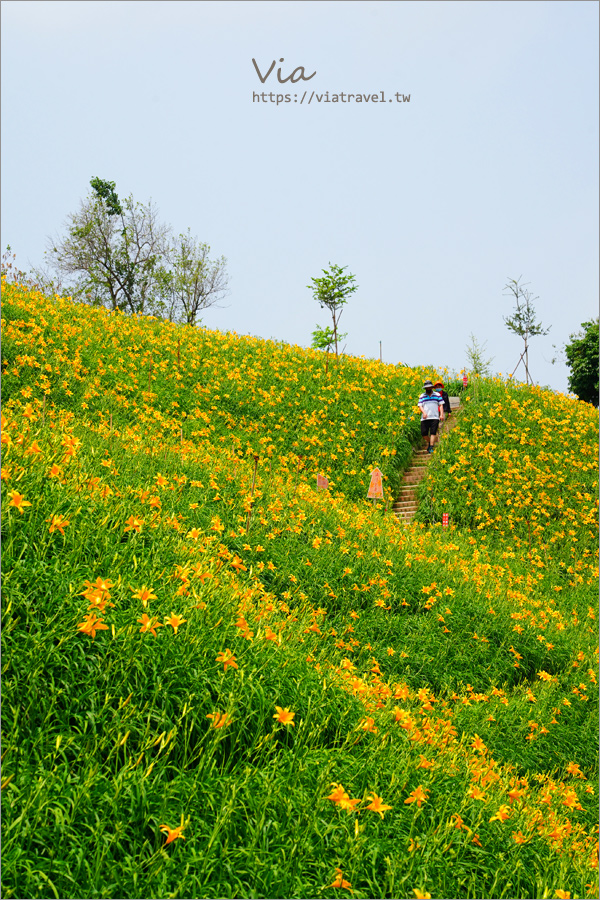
324	700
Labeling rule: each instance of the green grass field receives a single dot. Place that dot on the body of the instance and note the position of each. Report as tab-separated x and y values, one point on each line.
221	682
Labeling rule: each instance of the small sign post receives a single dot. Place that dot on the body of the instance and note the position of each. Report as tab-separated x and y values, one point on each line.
322	483
465	381
445	520
376	486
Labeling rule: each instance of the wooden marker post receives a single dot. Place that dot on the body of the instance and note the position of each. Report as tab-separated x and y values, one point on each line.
322	483
252	493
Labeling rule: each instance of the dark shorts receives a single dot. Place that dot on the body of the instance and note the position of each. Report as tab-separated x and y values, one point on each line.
429	426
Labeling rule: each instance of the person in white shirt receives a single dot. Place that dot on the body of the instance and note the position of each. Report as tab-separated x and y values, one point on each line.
431	405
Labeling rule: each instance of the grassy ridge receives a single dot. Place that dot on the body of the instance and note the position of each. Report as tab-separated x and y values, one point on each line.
153	640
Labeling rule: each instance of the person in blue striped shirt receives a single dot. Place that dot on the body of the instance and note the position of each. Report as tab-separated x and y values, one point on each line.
431	405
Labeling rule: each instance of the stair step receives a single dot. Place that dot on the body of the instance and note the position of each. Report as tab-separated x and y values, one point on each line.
405	504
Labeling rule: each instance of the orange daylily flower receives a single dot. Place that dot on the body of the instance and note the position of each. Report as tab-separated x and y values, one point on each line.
477	744
402	692
377	805
97	601
144	594
219	720
502	815
133	524
284	716
571	800
342	798
34	448
175	621
368	724
149	624
173	833
339	880
421	895
227	658
91	624
337	793
18	501
58	523
418	796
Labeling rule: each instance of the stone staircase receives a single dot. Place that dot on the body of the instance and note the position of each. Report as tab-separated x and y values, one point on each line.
405	505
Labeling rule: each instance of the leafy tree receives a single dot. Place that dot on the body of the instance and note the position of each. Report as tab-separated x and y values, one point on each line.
332	292
523	321
114	249
192	282
477	363
116	253
582	359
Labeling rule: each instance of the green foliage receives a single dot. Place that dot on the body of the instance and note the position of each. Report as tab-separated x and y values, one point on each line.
324	338
106	191
331	292
582	358
451	659
477	364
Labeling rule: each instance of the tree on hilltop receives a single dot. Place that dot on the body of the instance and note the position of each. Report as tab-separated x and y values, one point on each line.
116	253
476	360
331	292
523	321
582	359
193	281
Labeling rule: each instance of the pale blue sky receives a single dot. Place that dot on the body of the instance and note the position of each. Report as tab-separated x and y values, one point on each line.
489	172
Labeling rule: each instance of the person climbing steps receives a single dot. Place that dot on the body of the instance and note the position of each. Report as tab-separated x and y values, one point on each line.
431	405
